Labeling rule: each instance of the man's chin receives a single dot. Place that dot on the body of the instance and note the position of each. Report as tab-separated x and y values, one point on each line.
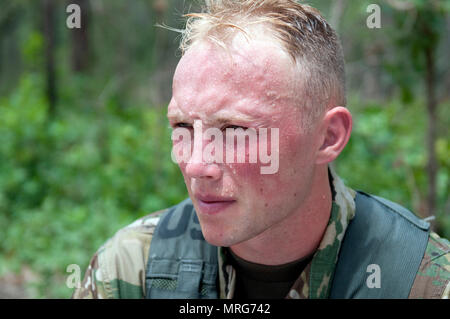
216	239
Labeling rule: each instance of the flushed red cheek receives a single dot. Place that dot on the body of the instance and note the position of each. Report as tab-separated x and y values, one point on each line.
249	176
252	183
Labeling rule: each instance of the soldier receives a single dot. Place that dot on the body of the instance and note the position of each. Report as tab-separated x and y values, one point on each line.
298	232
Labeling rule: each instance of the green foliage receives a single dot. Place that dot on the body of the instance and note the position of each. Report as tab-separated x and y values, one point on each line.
33	49
386	155
68	183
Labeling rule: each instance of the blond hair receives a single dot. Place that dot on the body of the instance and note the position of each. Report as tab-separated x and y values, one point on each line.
301	30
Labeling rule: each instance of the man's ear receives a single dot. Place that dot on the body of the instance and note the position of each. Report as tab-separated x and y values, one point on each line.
336	129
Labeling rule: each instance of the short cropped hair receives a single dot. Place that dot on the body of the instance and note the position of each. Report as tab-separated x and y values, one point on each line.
300	29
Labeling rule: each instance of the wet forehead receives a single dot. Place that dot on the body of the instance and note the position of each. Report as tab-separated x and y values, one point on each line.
217	83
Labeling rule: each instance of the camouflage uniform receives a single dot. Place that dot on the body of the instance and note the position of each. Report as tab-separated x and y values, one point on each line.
118	268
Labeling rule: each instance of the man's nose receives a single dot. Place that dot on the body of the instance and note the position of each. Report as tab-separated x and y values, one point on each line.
204	170
198	167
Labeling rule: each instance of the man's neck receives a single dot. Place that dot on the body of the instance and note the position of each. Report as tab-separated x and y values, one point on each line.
296	236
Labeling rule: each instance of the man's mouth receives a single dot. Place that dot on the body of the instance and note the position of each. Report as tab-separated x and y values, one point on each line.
212	204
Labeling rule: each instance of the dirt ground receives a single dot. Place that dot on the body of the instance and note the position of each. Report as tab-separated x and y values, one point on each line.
13	285
12	288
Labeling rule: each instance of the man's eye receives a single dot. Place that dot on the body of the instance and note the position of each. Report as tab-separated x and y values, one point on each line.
234	127
186	125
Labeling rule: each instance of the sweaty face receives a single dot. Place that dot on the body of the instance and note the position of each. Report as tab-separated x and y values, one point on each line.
252	88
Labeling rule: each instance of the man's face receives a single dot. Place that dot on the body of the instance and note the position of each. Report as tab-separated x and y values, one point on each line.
254	87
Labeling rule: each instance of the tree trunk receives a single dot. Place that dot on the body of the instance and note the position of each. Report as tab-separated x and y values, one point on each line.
432	165
49	27
337	11
80	39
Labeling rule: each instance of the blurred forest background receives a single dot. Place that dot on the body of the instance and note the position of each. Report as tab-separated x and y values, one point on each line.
85	144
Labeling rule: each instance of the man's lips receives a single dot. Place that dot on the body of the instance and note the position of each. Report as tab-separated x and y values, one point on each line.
212	198
212	204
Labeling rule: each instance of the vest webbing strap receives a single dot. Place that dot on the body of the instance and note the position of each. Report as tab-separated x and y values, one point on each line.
182	264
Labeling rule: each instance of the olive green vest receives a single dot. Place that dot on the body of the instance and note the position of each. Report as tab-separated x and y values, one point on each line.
383	236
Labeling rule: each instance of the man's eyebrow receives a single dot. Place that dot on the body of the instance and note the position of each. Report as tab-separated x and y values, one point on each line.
219	118
230	120
222	118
